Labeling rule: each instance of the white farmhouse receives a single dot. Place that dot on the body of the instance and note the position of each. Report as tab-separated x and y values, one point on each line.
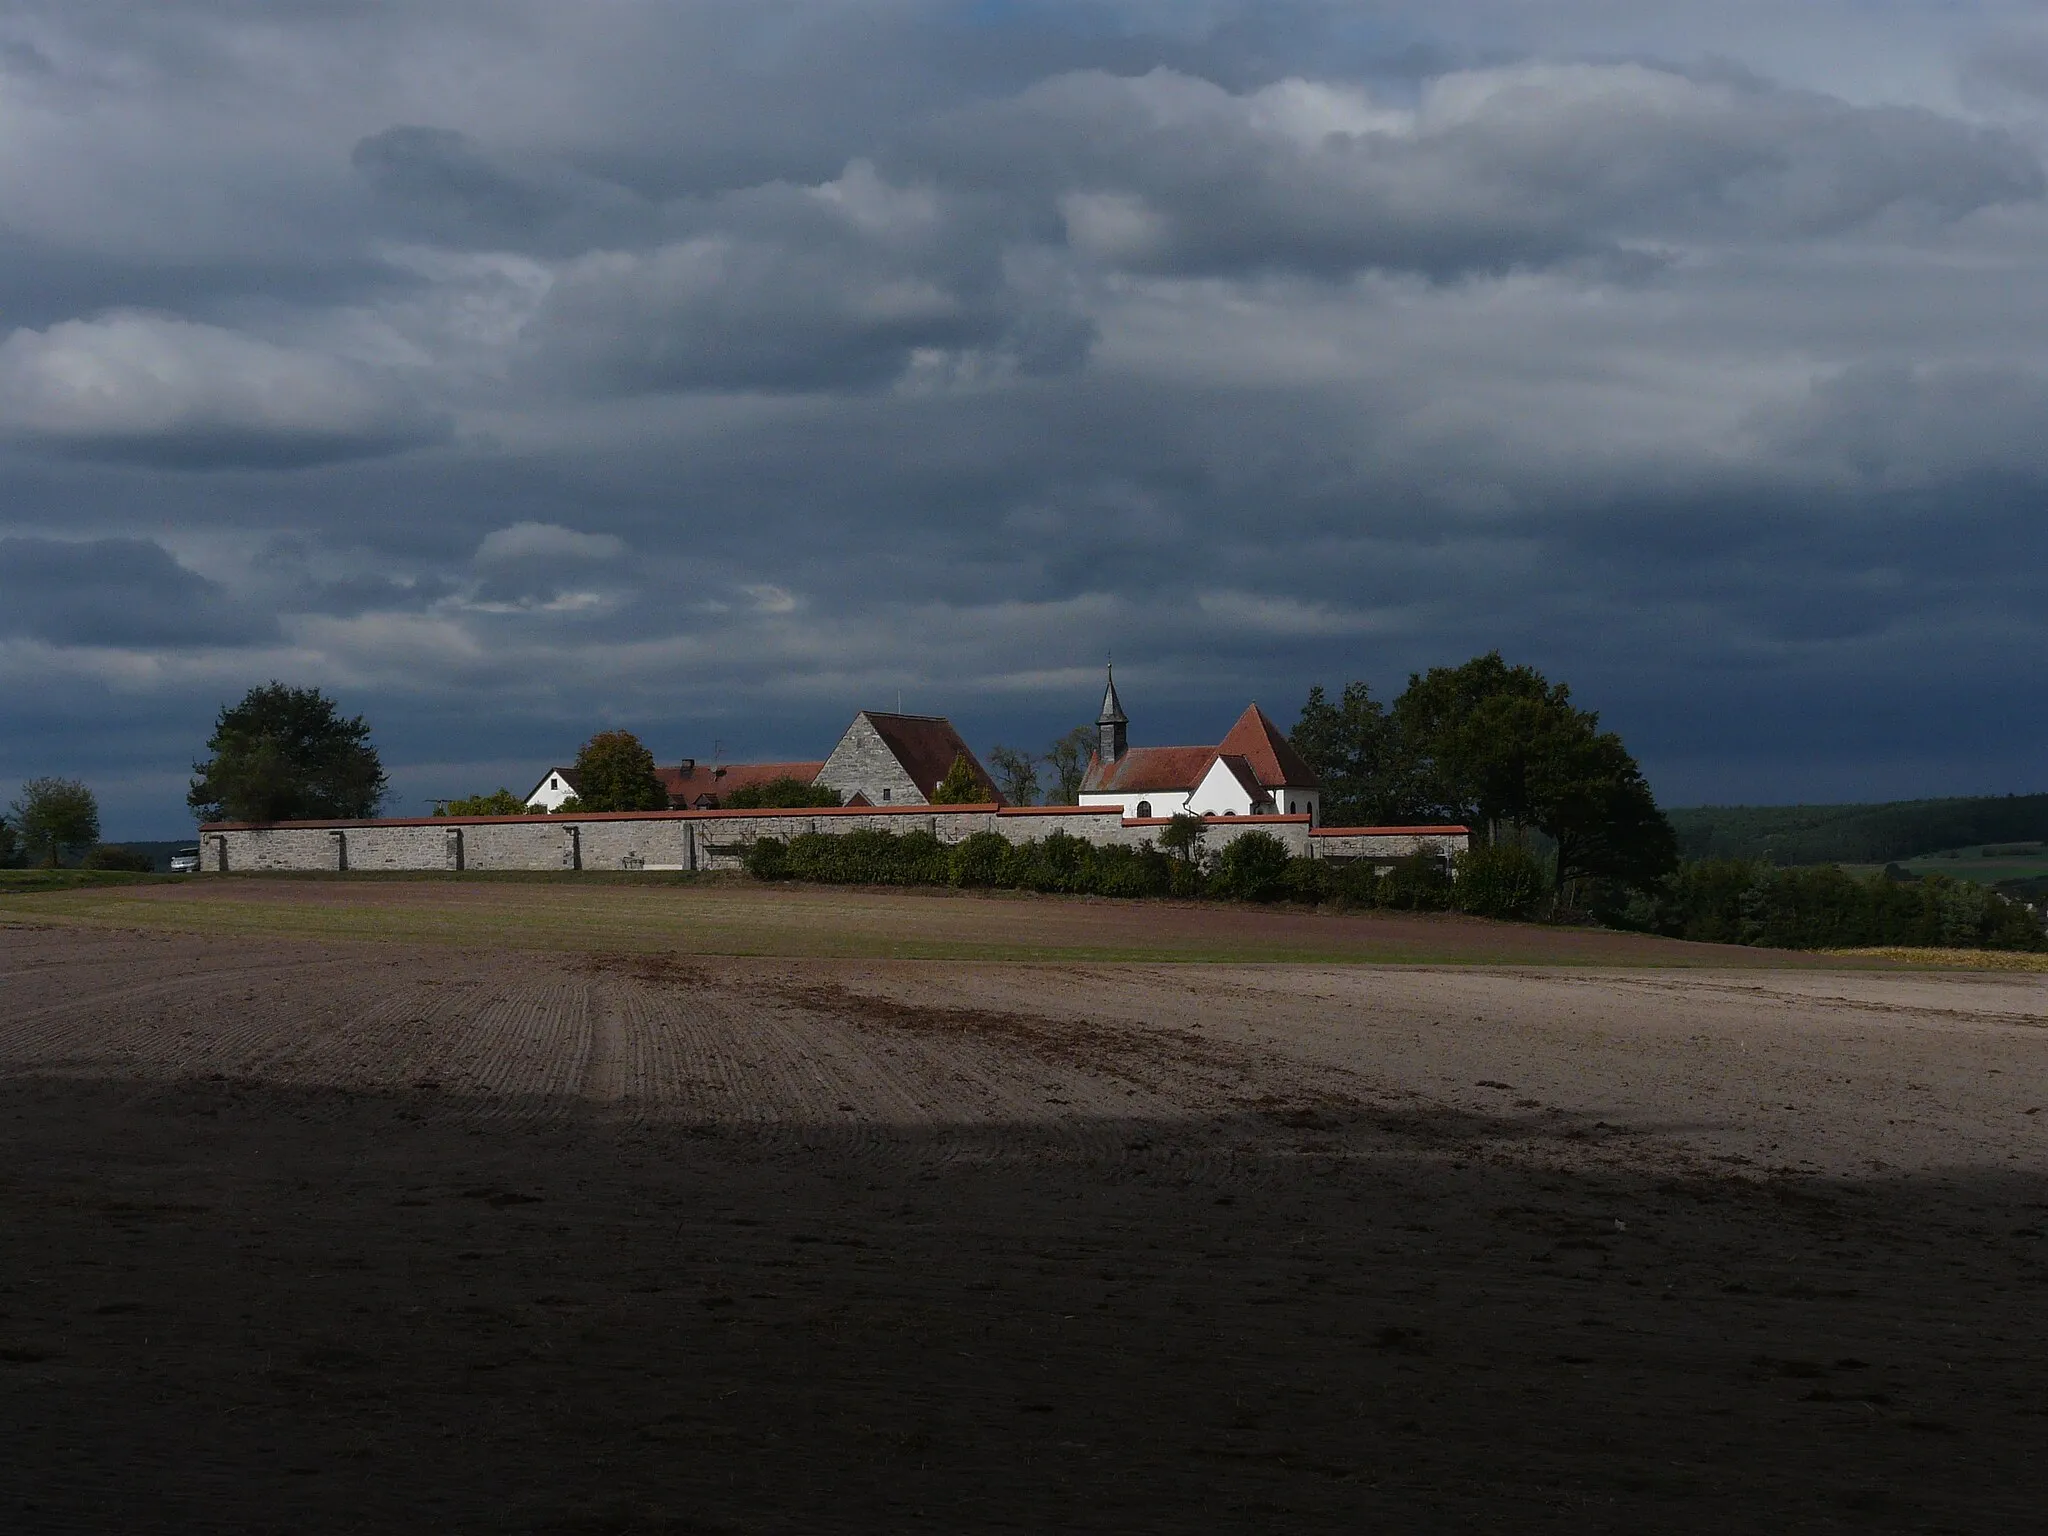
556	786
1253	771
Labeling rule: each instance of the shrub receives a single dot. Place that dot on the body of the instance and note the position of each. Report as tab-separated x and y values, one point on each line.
1130	872
867	857
1352	882
919	858
768	859
114	856
1416	883
1499	880
1185	837
1057	862
981	862
1253	867
1310	881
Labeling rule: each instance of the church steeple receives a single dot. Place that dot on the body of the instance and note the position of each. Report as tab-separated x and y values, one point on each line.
1111	740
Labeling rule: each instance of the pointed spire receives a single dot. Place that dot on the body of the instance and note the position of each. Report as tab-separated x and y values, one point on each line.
1112	706
1111	739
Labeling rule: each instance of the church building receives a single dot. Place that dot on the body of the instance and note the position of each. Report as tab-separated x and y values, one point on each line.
1253	771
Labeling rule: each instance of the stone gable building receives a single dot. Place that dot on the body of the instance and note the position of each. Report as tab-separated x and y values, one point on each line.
898	760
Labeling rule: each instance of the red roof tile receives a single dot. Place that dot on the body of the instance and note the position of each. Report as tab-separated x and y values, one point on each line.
686	785
1273	758
1143	768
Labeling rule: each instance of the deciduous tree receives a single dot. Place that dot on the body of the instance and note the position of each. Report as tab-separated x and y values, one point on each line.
287	754
614	772
1357	753
1068	759
1016	775
55	817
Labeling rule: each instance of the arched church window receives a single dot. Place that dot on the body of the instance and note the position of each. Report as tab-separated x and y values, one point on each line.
1144	808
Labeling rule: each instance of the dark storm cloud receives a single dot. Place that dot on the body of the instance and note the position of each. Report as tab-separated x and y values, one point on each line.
445	186
1889	422
115	592
792	288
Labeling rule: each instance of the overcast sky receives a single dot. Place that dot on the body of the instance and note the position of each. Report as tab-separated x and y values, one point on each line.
513	369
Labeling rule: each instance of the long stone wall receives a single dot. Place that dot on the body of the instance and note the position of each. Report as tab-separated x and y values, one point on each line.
715	840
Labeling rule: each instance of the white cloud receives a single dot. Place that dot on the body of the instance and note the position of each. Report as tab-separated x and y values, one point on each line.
160	389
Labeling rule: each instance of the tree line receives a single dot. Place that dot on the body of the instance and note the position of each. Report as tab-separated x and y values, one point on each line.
1858	834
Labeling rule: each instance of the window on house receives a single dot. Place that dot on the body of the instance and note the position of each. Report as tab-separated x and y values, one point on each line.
1293	809
1144	807
885	795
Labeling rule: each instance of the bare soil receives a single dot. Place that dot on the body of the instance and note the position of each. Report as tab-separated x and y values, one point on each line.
322	1236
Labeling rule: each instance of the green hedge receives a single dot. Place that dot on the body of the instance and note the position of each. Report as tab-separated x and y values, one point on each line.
1253	867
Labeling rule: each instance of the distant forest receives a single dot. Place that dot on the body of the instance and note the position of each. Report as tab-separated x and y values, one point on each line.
1857	834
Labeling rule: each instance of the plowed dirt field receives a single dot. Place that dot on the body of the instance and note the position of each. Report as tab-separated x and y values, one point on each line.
308	1235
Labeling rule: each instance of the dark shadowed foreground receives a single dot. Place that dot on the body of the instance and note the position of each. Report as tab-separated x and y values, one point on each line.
307	1238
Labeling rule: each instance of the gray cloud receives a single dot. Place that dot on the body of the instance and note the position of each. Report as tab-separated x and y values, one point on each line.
1530	164
1891	424
445	186
116	592
841	285
157	390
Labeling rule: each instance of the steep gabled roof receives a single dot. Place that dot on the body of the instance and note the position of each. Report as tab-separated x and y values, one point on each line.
566	776
926	745
1143	768
1273	758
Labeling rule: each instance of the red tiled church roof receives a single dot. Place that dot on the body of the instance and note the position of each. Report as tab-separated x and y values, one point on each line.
1144	768
1258	741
